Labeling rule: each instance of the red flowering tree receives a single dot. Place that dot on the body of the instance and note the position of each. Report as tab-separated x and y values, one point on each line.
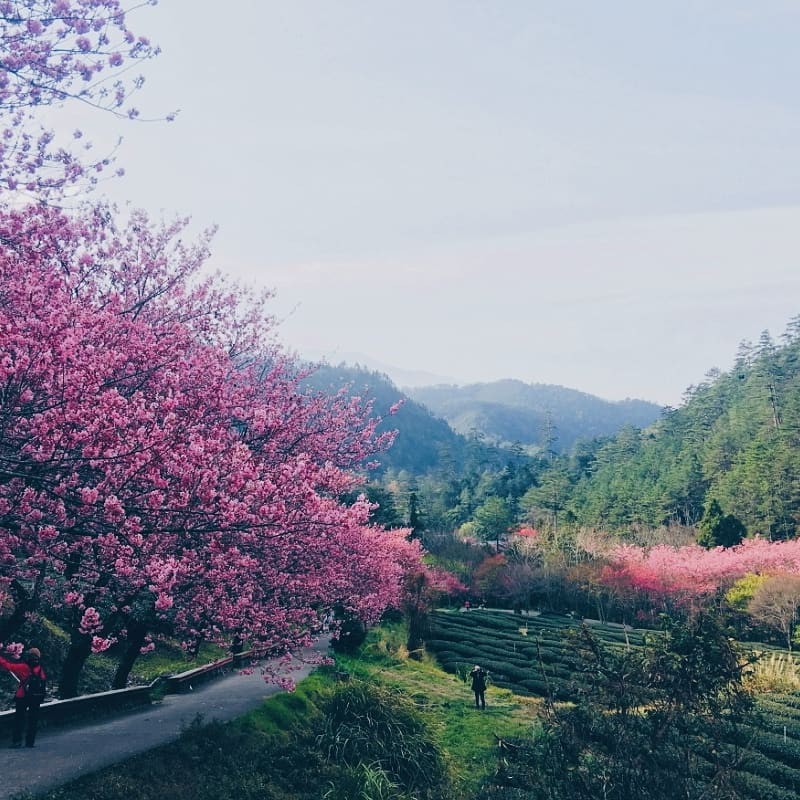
489	578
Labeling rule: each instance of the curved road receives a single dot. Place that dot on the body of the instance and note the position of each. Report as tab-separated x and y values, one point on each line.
62	754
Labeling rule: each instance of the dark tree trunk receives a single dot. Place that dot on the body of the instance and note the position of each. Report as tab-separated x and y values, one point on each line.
79	649
23	604
418	627
137	632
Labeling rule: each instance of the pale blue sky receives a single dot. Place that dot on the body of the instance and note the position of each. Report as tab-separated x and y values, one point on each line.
602	195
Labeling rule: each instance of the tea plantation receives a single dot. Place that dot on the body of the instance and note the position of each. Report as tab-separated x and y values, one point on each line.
533	656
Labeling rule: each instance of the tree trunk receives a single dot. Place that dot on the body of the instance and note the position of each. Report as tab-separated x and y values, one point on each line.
23	604
418	624
79	649
137	632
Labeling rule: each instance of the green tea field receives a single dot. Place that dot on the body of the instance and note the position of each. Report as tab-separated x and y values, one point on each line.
532	655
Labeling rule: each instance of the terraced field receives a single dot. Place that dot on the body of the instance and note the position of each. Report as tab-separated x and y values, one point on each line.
533	656
529	655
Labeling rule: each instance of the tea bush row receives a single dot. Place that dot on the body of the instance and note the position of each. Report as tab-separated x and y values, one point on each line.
777	772
776	722
774	746
790	701
756	788
749	785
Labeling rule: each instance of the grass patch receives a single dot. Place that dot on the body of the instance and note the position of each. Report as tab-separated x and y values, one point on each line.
286	715
775	672
467	735
169	658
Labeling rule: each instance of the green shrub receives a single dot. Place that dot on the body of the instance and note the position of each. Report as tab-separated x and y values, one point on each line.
754	787
774	771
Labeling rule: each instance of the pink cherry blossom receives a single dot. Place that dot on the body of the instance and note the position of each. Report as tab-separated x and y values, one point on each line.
163	462
692	571
54	52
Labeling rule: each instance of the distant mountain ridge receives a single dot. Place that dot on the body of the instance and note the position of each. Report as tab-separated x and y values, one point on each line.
531	414
425	442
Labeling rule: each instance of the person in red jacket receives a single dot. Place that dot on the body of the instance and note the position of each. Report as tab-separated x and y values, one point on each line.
30	693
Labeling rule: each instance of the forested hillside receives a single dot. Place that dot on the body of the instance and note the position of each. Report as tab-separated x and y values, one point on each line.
538	416
424	442
432	478
734	440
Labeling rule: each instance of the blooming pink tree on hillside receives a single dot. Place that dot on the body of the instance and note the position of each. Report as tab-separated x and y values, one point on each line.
157	463
161	466
690	573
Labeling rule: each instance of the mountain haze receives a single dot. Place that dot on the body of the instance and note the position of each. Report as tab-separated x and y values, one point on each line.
424	441
536	415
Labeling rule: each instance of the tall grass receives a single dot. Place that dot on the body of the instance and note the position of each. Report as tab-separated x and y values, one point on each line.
379	728
778	672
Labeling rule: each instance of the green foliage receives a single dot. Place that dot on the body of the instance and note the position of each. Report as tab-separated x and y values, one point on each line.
646	724
548	499
735	440
289	715
365	782
718	529
493	519
741	593
386	513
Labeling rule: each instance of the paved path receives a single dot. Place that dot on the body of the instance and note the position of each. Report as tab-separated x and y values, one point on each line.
62	754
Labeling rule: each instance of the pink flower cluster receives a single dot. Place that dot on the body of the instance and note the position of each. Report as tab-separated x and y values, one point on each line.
693	571
14	649
161	462
54	51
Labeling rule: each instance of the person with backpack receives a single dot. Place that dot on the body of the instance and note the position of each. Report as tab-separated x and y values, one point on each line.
478	676
29	696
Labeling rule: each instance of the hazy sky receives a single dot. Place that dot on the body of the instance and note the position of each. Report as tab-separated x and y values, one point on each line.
601	195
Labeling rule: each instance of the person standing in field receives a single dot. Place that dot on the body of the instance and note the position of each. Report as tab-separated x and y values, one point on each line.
29	695
478	676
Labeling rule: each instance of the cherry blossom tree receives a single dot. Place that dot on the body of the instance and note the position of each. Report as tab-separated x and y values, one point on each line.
160	463
52	51
162	467
690	573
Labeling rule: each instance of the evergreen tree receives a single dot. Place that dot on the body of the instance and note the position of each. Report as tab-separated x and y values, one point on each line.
718	529
493	520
